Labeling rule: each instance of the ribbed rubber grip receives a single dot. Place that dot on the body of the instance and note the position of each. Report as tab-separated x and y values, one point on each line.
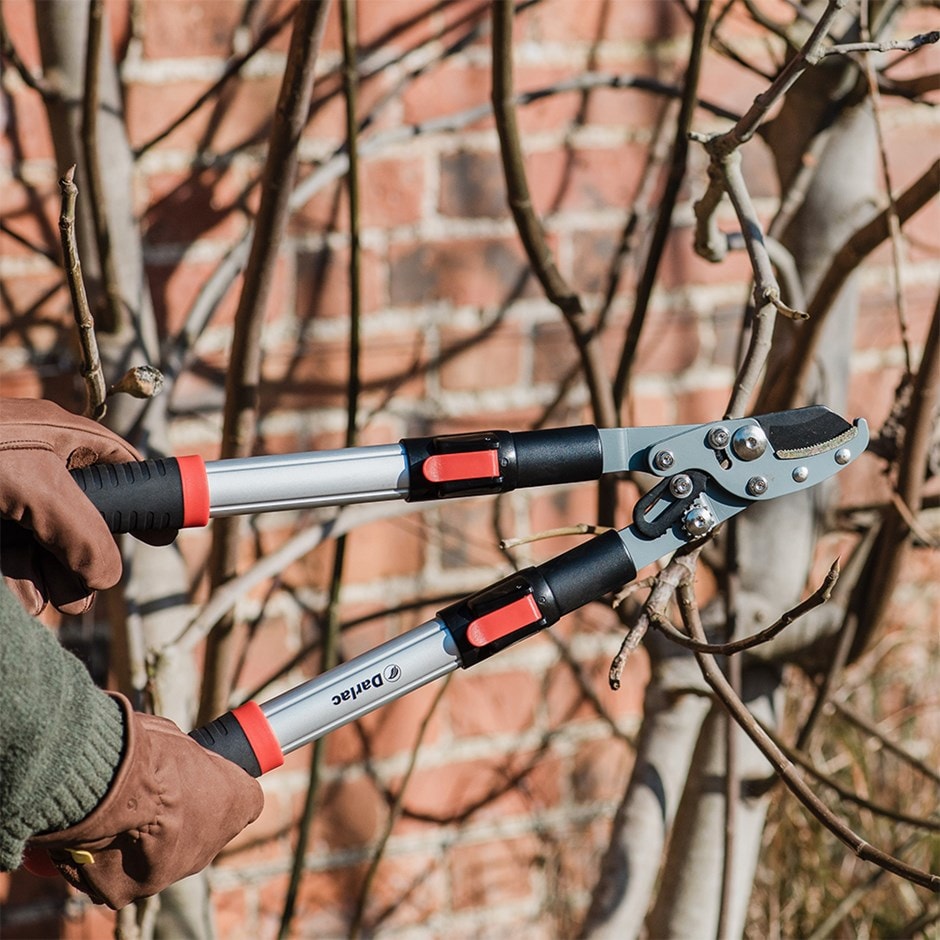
499	461
164	493
226	737
244	737
134	497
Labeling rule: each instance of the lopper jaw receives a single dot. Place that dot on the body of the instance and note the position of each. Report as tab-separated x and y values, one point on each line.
708	473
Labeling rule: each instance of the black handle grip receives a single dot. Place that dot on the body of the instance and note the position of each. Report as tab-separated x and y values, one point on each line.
163	493
226	737
134	497
244	737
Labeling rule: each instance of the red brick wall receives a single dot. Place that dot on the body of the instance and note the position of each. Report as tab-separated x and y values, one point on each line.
510	804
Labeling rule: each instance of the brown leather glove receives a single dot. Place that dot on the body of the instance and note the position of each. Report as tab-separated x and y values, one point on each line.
60	551
170	810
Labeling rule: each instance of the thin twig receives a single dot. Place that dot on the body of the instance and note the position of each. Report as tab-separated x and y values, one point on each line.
394	813
724	176
808	55
582	528
766	294
818	597
92	374
889	45
680	569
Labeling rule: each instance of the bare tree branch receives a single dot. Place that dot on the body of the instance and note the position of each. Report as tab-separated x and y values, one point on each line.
98	196
889	45
864	241
530	229
680	569
663	226
789	775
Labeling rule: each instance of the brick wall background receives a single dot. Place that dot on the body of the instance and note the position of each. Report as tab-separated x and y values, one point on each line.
523	760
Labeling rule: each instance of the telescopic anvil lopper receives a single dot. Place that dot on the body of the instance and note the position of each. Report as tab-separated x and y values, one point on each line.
707	473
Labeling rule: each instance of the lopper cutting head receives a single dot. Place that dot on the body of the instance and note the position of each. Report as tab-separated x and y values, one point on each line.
710	472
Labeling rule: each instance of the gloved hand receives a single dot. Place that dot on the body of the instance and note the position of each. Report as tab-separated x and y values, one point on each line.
171	808
61	551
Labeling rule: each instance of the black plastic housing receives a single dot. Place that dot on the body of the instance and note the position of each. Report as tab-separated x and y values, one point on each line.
558	587
524	458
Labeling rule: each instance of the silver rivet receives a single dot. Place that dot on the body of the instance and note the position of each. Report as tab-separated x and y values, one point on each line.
843	455
680	485
757	486
800	474
664	460
749	442
718	438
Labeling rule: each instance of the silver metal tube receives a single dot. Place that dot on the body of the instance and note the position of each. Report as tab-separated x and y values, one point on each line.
299	481
354	689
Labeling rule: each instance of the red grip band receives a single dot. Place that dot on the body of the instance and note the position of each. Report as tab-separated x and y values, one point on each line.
195	486
266	747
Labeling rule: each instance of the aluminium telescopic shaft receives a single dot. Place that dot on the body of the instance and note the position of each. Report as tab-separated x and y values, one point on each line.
257	737
178	492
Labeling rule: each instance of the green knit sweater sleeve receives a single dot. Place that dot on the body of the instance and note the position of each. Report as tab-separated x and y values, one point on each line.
60	736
